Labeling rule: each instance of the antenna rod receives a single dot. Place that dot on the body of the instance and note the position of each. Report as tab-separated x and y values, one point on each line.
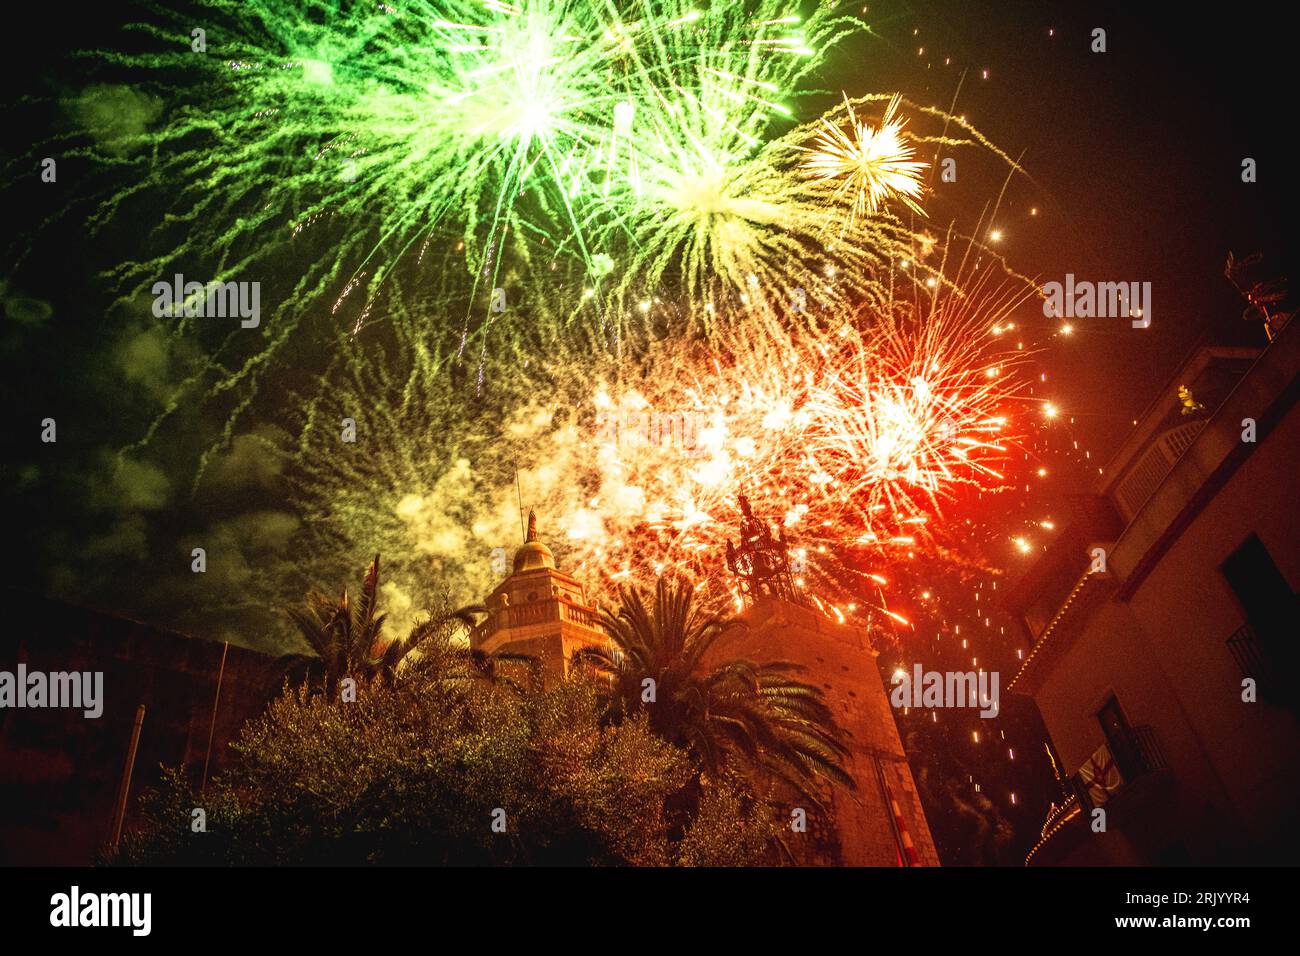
523	534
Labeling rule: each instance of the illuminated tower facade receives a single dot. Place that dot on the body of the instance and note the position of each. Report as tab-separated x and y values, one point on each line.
538	612
880	822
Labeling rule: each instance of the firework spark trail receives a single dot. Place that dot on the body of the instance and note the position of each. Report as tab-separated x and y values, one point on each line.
393	122
871	163
744	233
328	145
636	465
472	117
853	438
754	233
632	146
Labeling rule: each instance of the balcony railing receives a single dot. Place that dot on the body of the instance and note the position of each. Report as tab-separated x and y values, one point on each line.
1248	652
1061	821
1270	665
1256	661
1147	750
1154	466
1057	815
536	612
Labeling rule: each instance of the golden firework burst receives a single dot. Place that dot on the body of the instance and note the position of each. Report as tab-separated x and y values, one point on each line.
875	164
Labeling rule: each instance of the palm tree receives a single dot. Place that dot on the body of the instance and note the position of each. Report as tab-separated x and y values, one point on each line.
432	635
347	636
348	639
343	634
733	716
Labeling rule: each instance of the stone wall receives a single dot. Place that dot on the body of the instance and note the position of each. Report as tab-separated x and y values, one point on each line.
60	771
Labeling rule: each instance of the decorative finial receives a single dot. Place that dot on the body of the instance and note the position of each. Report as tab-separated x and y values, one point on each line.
761	561
532	554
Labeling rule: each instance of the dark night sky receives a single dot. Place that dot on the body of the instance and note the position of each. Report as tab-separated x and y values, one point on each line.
1135	159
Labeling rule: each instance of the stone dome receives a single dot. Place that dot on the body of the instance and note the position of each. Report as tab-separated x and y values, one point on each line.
532	554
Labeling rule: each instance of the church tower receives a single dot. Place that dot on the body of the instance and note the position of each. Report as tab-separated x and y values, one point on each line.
881	822
538	612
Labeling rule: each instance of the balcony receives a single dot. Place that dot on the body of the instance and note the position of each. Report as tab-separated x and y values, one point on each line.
1062	831
1133	778
1257	661
1248	653
1136	754
1154	466
1129	776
